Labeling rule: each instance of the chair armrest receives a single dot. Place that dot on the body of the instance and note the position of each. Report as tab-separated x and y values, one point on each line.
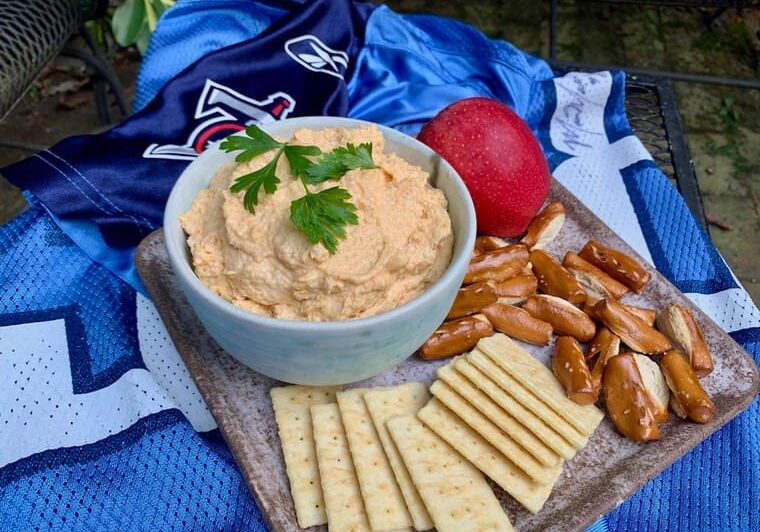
32	32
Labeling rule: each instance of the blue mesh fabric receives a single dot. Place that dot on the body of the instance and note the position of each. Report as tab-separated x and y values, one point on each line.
181	38
716	482
40	268
423	63
672	233
155	474
158	475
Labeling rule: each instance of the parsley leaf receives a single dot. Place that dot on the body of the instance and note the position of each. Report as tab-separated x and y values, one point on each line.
253	182
357	156
254	143
322	216
296	156
335	164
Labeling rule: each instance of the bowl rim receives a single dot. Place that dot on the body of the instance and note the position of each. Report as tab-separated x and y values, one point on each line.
457	264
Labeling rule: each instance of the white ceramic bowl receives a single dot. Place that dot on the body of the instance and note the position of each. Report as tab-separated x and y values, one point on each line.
323	353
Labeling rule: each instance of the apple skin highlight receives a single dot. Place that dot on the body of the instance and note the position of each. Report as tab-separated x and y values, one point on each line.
499	159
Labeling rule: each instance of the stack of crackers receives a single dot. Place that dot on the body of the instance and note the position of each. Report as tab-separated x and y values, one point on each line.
394	458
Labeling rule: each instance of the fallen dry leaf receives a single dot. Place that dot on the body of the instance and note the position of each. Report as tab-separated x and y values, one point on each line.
66	86
73	101
717	222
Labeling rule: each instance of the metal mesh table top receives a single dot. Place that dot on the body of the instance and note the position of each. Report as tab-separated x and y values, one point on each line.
645	114
653	115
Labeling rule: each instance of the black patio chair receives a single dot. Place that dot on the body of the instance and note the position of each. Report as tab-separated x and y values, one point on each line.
33	32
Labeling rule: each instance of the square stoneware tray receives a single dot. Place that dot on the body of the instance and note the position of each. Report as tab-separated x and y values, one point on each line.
609	469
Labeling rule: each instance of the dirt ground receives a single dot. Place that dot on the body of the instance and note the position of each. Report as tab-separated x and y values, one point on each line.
722	123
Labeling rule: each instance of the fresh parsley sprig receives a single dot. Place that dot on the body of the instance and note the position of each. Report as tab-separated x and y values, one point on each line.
255	143
253	182
335	164
321	216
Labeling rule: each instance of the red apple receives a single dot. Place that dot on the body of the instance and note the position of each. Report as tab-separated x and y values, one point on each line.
499	159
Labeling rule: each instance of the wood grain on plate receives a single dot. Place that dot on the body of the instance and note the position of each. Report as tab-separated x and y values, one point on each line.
609	469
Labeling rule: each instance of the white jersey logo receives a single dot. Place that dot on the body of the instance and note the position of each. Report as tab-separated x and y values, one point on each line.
220	112
310	52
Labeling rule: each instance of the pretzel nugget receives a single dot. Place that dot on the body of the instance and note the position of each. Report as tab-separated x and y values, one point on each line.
455	337
588	308
555	280
565	318
516	289
601	349
497	265
678	324
647	315
545	226
627	400
689	399
488	243
470	299
571	371
630	328
617	264
517	323
655	385
596	283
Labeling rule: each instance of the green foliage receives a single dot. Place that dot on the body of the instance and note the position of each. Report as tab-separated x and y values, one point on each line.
731	117
729	113
133	21
100	29
731	151
708	41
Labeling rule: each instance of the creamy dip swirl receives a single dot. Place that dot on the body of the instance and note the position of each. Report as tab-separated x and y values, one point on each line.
262	263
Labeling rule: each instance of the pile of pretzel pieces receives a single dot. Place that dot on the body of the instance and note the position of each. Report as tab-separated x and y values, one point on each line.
520	290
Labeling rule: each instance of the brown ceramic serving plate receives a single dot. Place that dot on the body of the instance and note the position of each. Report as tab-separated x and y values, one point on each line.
609	469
